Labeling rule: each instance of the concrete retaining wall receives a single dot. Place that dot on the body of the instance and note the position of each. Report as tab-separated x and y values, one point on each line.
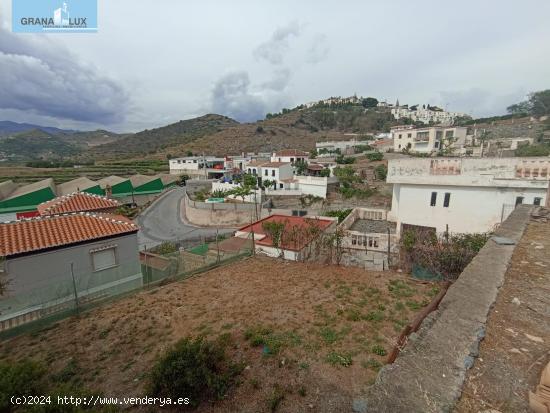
218	214
430	371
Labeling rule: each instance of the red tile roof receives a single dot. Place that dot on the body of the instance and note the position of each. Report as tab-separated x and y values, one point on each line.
41	233
298	226
291	152
77	202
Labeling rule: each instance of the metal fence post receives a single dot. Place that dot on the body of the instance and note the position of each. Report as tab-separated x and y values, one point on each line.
74	288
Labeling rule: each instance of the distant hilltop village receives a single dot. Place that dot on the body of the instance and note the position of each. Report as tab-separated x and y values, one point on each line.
417	113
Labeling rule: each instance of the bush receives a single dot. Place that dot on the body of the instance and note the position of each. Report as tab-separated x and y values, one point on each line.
375	156
381	172
195	368
165	248
341	214
19	379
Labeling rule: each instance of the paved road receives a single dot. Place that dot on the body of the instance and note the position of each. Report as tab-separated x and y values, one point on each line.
162	221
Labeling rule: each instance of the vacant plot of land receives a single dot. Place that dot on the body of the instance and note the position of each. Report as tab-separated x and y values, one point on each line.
312	337
515	349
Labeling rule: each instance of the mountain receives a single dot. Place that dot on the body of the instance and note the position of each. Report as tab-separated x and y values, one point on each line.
149	142
39	144
8	127
34	144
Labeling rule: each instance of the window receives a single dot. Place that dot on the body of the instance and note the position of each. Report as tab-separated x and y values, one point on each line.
447	199
281	186
449	134
409	135
537	200
399	146
433	199
439	134
273	172
103	258
291	159
399	136
519	200
436	145
266	172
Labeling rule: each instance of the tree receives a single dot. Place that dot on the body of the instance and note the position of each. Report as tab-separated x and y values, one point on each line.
537	104
313	153
381	172
267	183
241	191
189	153
369	102
375	156
301	167
325	172
276	231
250	180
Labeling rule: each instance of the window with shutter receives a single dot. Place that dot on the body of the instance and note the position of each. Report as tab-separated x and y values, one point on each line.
103	259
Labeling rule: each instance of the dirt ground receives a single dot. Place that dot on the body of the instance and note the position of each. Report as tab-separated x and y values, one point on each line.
517	343
334	326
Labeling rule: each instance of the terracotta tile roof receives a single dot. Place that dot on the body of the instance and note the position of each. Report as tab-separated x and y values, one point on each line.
41	233
291	152
77	202
292	224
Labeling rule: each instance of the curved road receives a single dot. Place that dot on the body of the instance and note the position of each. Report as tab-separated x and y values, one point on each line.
162	221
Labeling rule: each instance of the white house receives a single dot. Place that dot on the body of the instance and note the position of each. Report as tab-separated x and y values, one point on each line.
289	155
427	140
425	114
344	147
201	167
464	194
277	172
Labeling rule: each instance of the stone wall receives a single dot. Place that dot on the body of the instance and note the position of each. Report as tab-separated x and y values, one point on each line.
219	214
429	373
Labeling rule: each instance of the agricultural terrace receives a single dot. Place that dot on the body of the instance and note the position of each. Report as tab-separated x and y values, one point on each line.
308	337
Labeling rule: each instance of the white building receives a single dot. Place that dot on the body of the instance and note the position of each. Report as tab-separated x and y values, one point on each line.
276	172
344	147
289	155
464	194
427	140
201	167
425	114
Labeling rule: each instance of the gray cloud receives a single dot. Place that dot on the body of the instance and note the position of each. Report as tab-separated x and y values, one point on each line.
279	81
42	77
231	96
273	50
479	102
319	49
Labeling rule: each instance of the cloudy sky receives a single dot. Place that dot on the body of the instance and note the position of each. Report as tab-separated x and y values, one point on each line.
156	62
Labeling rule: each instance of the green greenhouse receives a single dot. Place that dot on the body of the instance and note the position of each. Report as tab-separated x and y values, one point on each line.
144	184
25	198
118	186
81	184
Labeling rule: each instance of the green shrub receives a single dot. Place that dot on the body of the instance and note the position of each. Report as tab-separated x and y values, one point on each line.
19	379
195	368
375	156
339	359
165	248
378	350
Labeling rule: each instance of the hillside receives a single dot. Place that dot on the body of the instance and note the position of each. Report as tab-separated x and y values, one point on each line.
8	127
299	128
149	142
39	144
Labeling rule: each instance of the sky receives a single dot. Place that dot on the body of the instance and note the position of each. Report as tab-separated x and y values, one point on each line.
152	63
